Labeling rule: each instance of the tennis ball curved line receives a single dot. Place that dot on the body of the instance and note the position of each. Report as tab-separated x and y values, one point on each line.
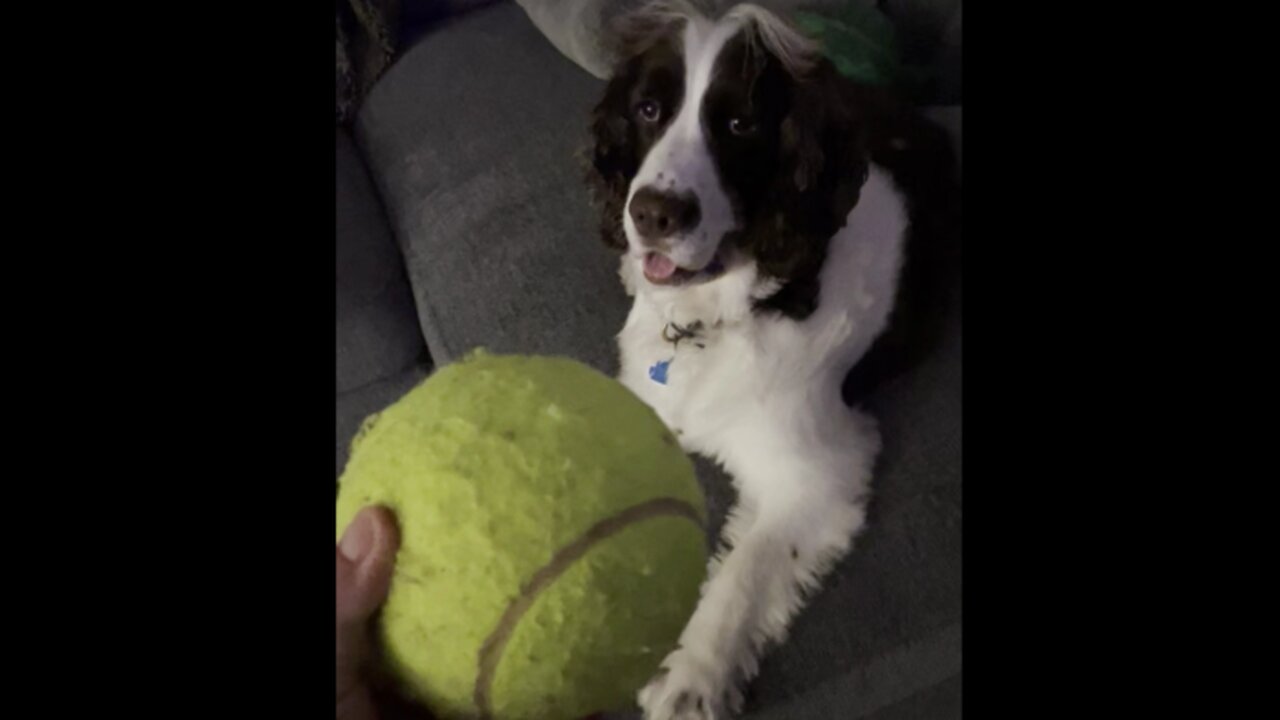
543	577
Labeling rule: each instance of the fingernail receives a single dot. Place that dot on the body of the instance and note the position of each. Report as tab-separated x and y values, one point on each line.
357	541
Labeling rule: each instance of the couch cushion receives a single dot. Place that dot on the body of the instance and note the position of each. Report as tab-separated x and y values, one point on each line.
377	328
473	137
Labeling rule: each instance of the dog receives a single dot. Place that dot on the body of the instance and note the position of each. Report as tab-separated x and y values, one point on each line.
763	205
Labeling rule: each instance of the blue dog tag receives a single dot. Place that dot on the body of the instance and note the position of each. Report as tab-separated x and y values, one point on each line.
658	372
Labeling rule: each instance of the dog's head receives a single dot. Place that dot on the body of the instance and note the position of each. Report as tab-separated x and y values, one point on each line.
724	139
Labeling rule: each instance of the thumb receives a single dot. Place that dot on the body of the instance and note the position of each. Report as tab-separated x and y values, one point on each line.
365	559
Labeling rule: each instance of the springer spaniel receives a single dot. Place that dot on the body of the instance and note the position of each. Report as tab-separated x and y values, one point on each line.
762	204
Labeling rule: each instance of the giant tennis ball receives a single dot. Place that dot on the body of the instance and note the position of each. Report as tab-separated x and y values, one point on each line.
551	538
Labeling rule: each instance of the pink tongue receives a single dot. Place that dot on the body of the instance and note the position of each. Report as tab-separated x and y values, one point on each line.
658	266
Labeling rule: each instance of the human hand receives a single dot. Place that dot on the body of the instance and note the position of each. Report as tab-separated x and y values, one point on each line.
365	558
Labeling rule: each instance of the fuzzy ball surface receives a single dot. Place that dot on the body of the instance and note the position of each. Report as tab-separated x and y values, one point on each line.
551	538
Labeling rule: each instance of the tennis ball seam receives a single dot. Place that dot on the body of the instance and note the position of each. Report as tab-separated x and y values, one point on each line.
491	650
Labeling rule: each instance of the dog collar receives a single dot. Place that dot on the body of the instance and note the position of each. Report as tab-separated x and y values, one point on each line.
675	333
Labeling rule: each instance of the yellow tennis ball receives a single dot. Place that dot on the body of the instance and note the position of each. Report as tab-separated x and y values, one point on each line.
552	541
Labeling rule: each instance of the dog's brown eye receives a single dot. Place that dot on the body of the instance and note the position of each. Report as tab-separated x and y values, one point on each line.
741	126
649	110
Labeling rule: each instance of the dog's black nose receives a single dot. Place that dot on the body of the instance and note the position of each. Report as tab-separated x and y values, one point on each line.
658	215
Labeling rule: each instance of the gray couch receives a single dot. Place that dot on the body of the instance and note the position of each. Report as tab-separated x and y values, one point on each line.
462	221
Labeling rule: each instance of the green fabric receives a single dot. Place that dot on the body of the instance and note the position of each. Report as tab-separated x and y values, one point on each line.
862	43
859	41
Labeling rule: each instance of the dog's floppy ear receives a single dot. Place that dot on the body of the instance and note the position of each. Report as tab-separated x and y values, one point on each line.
823	146
821	167
612	157
613	154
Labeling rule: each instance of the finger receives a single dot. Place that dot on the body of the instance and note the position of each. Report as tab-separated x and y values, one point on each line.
365	560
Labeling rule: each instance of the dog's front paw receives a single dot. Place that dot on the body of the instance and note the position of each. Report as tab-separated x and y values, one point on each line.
687	688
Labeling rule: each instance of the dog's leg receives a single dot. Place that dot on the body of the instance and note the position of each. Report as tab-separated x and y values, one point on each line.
805	503
740	518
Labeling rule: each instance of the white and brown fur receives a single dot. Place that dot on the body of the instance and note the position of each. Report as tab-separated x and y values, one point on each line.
805	189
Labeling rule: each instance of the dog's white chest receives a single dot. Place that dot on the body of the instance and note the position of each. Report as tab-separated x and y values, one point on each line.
681	371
